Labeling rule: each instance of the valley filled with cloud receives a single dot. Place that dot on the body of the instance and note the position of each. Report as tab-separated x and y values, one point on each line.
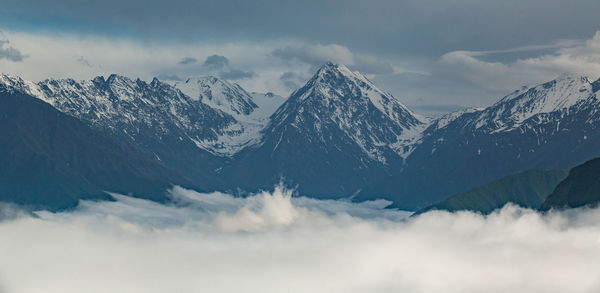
273	242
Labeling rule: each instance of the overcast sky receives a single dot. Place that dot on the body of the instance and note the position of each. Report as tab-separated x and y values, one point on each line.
431	55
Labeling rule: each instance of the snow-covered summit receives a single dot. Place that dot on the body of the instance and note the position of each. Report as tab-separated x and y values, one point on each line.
15	83
215	115
219	94
563	92
251	111
513	110
337	99
134	109
332	79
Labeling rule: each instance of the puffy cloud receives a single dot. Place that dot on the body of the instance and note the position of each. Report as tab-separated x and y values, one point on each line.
291	79
9	52
273	242
216	62
219	65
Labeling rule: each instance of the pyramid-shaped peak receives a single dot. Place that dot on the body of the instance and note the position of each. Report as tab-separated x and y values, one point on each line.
335	75
331	68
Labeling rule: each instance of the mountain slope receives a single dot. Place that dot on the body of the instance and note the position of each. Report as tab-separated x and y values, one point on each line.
527	189
181	132
50	160
330	138
580	188
550	126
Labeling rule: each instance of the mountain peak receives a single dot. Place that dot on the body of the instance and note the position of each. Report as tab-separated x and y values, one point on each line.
331	66
331	70
336	100
99	79
219	93
212	79
509	113
562	92
9	81
116	78
12	83
338	81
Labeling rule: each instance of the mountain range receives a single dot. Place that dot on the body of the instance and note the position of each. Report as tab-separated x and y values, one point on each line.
337	136
549	126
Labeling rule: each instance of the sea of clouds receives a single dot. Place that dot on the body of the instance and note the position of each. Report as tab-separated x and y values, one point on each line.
274	242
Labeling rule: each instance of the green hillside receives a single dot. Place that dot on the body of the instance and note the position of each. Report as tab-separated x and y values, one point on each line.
528	189
580	188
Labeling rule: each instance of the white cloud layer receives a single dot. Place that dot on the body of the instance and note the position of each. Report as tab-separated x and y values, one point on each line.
570	57
272	242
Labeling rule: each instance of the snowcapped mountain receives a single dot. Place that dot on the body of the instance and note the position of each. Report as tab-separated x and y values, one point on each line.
250	111
194	129
338	135
219	94
339	100
155	116
331	137
217	116
554	125
516	108
121	104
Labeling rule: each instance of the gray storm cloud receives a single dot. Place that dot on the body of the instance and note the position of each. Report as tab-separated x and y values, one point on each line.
9	52
187	60
220	65
273	242
408	28
216	62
